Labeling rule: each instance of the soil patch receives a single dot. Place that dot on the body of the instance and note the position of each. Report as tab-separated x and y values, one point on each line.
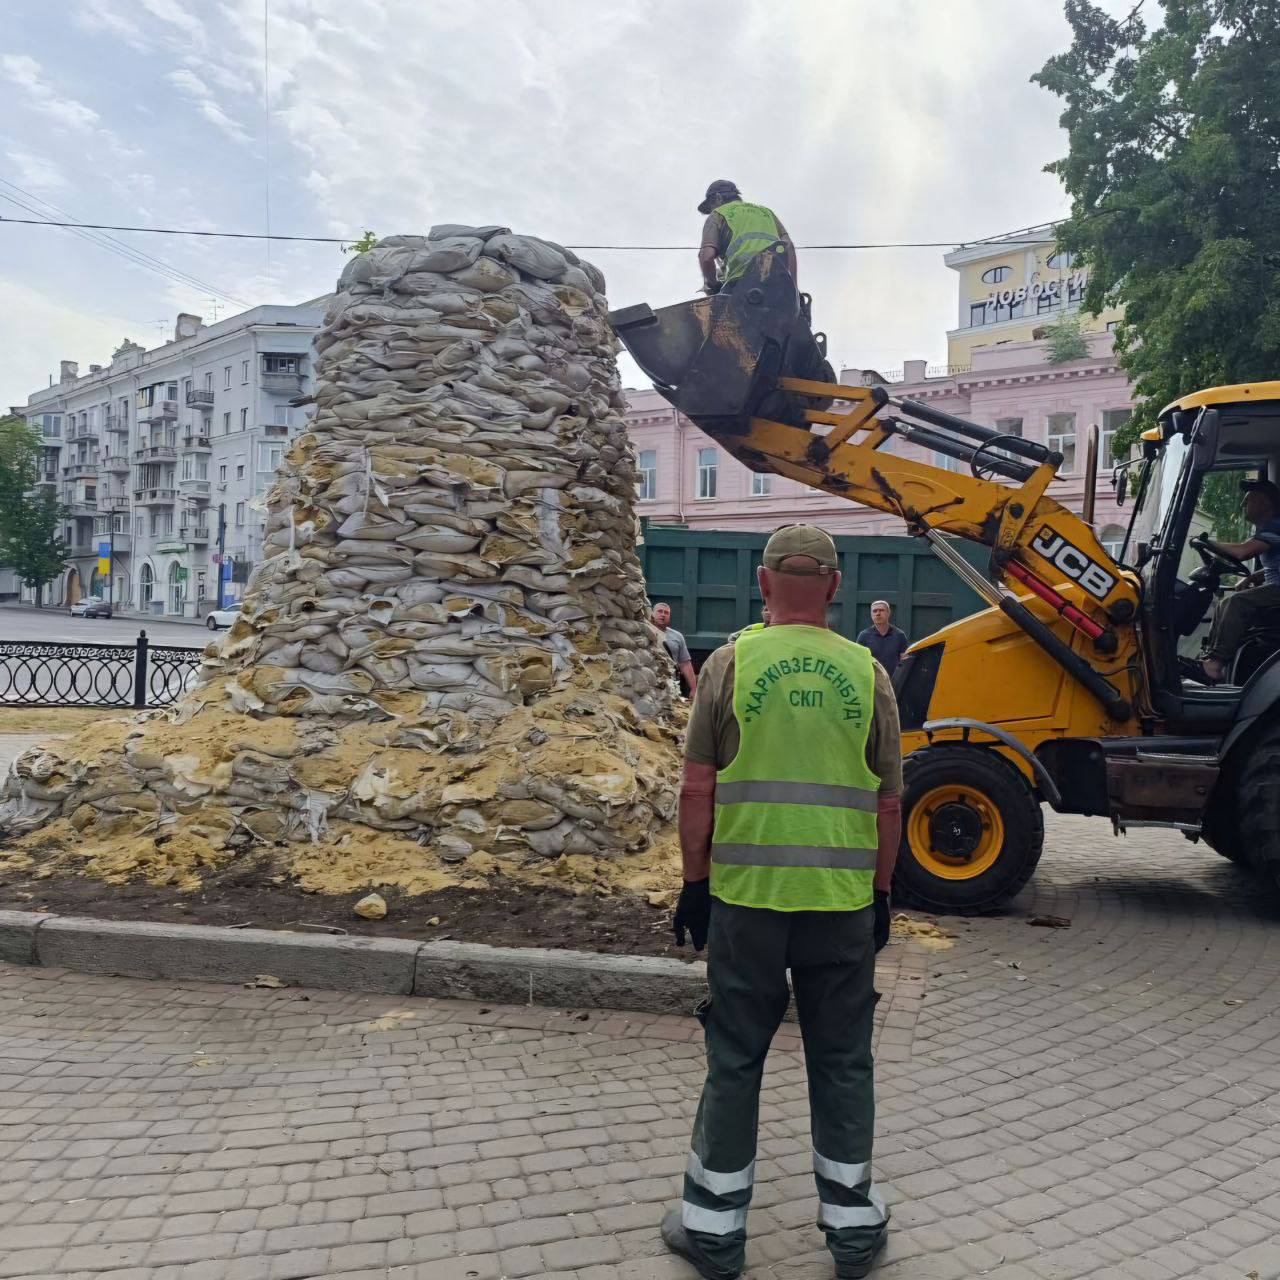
56	719
514	915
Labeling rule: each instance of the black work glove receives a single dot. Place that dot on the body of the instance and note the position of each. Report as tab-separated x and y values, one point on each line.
881	928
693	912
711	288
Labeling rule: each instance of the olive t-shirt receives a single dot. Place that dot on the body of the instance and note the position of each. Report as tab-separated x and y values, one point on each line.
714	734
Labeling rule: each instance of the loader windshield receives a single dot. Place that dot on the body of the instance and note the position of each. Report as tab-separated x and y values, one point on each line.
1157	484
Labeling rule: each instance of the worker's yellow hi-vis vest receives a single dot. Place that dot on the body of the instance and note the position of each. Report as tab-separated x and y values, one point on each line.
795	824
752	229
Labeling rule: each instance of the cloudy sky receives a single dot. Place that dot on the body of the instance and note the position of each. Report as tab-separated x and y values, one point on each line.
587	121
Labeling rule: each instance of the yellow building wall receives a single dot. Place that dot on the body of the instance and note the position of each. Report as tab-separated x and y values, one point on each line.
1029	265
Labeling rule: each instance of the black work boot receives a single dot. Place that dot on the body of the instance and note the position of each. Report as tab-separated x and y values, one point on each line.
855	1268
677	1239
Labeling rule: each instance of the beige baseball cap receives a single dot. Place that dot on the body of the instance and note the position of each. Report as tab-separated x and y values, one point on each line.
801	540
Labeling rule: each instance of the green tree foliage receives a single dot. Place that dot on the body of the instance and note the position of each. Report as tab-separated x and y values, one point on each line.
30	516
1173	169
1066	339
363	245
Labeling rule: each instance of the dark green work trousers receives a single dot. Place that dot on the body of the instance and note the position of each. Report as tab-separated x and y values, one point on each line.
831	956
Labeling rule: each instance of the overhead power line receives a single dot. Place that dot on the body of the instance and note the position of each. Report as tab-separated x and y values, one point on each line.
37	205
997	241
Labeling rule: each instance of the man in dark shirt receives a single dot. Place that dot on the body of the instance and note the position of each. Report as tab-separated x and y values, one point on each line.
886	642
1258	594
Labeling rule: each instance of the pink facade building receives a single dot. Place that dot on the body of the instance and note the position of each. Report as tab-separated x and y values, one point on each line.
686	479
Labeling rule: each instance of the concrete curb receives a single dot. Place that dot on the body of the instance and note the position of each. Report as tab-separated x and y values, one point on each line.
388	966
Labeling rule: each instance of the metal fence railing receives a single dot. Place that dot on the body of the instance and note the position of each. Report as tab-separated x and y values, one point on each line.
36	673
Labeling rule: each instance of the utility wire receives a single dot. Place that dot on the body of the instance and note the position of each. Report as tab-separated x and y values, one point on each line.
995	241
86	232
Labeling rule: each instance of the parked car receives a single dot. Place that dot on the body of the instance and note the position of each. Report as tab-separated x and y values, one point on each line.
216	618
91	609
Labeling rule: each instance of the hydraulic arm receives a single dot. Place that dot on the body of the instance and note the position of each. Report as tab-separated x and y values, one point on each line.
728	363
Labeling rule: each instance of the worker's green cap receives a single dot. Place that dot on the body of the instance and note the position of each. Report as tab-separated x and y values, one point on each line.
800	540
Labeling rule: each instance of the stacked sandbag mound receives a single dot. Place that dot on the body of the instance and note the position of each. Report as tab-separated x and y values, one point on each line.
449	635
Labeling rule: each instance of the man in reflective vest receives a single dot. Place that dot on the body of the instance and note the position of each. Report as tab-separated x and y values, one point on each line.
735	232
789	824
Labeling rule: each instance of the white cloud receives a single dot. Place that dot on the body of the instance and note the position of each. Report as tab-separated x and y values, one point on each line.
191	86
173	14
36	173
100	16
26	74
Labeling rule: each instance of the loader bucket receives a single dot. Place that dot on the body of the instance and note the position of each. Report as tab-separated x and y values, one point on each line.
718	359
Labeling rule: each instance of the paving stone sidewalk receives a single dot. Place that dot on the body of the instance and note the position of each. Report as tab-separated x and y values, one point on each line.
1101	1100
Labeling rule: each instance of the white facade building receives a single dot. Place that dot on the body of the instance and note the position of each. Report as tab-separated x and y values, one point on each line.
162	457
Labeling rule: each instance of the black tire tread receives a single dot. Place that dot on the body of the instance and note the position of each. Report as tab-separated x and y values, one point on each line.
1022	808
1257	803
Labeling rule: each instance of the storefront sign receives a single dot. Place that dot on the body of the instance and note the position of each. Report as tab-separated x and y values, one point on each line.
1072	284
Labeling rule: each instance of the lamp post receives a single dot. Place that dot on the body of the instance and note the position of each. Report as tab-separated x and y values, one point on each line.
222	545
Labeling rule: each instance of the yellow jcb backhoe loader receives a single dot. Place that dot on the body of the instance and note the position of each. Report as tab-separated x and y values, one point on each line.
1075	688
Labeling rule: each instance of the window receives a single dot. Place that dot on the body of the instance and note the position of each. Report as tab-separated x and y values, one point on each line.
226	424
1009	426
279	364
1061	438
208	381
1112	421
171	391
761	484
1061	261
282	415
948	463
977	313
269	456
186	387
647	484
244	418
146	396
1046	302
138	526
187	471
226	377
994	275
240	471
222	474
240	514
244	371
1112	539
706	473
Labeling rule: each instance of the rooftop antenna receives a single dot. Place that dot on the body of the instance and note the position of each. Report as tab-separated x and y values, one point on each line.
213	306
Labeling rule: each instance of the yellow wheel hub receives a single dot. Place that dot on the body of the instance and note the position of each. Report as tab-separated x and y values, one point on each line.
955	832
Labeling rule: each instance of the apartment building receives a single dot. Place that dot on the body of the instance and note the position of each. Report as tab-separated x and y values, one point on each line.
163	457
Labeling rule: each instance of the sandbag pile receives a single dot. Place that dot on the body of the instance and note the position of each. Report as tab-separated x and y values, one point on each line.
449	632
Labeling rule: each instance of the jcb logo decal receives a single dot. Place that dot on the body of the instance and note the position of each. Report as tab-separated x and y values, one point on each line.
1074	563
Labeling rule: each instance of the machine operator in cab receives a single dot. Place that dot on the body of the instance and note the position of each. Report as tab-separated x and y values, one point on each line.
735	232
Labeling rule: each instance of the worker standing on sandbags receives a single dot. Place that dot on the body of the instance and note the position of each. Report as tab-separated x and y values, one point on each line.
735	232
789	824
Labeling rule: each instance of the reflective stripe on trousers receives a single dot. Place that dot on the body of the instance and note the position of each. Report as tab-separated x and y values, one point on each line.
730	1191
855	1181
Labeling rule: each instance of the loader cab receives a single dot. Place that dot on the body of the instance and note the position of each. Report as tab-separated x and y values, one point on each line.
1186	494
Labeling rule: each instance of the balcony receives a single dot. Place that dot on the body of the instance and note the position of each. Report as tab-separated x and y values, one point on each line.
155	497
194	535
114	463
159	411
275	430
120	543
49	477
116	422
80	470
200	398
116	502
155	453
80	507
193	487
87	434
199	443
82	548
286	384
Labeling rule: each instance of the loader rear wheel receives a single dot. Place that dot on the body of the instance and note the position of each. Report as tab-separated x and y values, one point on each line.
972	831
1258	805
